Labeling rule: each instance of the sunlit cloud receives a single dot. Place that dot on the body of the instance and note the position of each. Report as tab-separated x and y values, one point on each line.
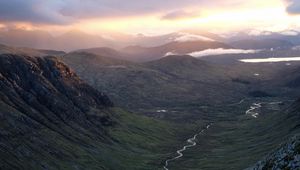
220	51
270	60
32	11
154	16
293	6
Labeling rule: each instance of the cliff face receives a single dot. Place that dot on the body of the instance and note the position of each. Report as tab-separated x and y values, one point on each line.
46	112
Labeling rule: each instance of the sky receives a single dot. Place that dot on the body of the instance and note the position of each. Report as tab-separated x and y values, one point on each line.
149	17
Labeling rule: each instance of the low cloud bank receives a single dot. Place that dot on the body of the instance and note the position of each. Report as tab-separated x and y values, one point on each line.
220	51
267	60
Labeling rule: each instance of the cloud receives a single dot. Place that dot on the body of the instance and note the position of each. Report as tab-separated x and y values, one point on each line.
35	11
267	60
66	11
293	7
179	14
221	51
185	37
117	8
71	11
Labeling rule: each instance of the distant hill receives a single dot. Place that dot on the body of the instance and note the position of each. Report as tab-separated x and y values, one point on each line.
285	36
143	54
262	44
75	39
68	41
4	49
23	38
104	51
172	80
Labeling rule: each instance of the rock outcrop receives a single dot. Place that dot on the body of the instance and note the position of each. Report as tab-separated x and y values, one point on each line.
287	158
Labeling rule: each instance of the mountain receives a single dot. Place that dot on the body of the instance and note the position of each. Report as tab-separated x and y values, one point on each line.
189	68
75	39
46	108
51	119
262	44
179	80
286	36
68	41
4	49
144	54
26	38
104	51
170	81
124	40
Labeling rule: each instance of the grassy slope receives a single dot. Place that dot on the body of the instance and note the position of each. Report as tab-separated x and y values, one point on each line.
237	141
147	142
134	142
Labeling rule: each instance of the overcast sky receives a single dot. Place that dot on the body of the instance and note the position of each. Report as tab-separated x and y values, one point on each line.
155	16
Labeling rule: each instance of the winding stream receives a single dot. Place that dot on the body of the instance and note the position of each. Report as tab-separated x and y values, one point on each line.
252	109
192	142
255	106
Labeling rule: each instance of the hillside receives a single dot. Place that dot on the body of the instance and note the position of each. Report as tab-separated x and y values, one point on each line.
104	51
171	81
287	155
42	100
180	80
51	119
47	111
262	44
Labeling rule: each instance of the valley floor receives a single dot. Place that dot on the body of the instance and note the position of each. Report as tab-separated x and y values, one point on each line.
236	140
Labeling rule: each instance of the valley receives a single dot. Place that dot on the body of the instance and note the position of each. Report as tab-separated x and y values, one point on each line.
95	111
149	85
226	142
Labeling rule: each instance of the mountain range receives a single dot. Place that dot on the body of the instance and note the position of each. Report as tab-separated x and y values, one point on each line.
75	39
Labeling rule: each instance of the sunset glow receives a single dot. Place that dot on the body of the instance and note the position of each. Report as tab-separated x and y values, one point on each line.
219	16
